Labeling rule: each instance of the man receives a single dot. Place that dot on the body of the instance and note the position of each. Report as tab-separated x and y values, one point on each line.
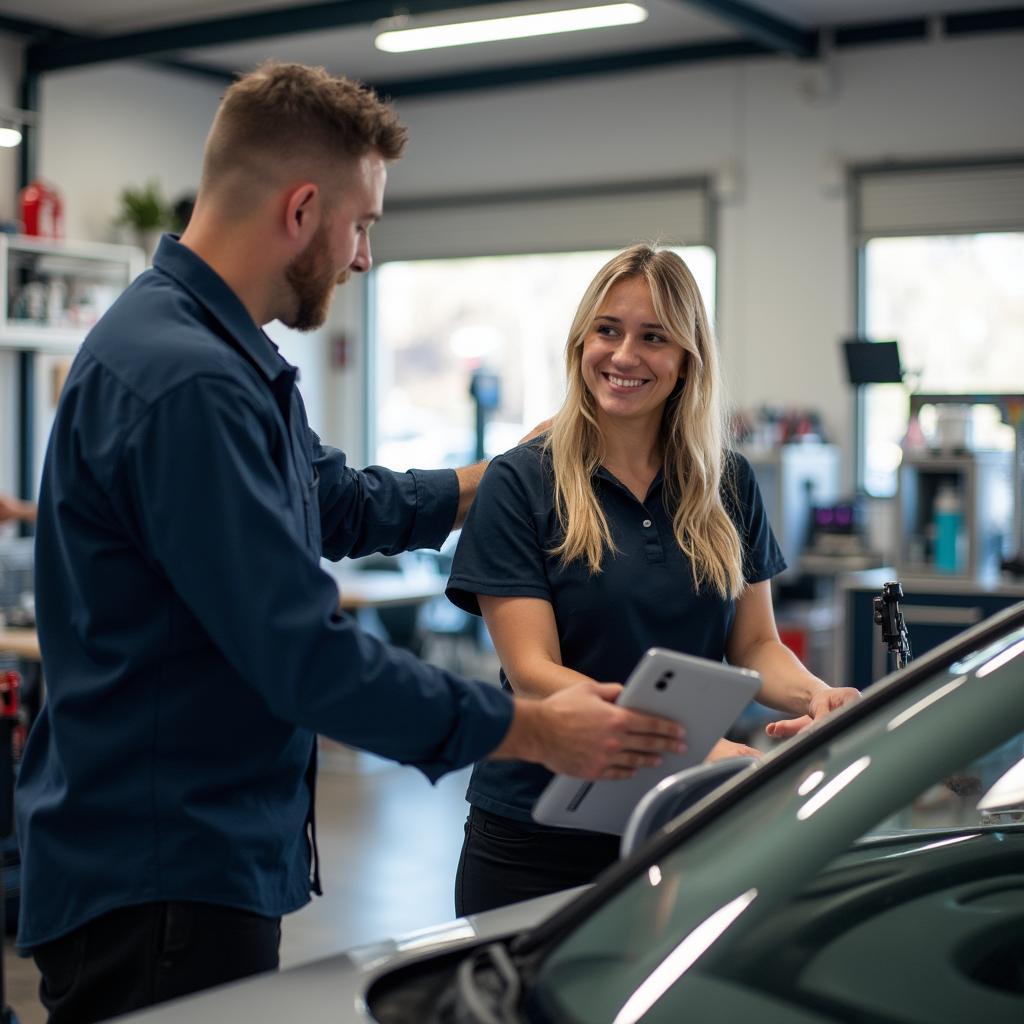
192	645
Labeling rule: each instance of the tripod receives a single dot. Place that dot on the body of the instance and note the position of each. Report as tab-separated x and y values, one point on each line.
894	630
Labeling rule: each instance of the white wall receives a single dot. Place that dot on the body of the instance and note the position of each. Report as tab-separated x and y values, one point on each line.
106	127
10	85
785	270
785	261
10	78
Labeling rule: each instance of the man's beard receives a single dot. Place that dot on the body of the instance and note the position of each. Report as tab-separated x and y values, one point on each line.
312	279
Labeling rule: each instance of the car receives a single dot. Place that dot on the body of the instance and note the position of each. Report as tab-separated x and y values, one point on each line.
871	869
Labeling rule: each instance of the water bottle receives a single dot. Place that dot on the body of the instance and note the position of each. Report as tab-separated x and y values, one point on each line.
948	518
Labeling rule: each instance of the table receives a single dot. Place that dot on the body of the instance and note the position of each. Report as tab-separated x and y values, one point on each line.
369	589
22	642
377	588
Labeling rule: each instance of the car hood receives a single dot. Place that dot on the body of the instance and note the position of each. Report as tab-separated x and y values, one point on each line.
332	990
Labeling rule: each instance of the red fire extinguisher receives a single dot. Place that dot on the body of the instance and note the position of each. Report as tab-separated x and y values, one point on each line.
42	211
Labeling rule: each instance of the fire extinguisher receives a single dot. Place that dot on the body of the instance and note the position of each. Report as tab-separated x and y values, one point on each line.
42	211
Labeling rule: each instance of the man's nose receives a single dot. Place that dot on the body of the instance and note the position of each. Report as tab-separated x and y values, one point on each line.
364	258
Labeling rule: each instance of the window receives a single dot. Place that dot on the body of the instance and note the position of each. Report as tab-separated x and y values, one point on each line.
439	320
955	303
941	270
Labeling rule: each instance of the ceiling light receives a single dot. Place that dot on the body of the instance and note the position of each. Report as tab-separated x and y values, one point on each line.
520	26
12	121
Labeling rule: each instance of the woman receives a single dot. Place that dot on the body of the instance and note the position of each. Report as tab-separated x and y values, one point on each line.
629	525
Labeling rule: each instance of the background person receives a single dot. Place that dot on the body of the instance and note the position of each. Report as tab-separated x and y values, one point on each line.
630	525
191	643
16	510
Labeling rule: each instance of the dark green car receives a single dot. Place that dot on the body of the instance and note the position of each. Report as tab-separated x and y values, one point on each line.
870	870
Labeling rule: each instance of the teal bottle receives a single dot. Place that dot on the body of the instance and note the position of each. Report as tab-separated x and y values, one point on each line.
948	518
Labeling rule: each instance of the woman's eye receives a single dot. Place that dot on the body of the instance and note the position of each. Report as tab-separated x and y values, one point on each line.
657	338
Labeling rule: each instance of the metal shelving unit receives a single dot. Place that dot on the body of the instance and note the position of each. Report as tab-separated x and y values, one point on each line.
54	291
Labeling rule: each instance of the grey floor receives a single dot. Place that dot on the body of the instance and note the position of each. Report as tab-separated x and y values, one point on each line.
389	844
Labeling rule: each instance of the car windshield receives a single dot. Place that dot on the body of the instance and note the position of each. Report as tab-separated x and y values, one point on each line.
747	907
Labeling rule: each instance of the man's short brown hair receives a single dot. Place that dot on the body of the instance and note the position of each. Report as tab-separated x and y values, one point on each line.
297	113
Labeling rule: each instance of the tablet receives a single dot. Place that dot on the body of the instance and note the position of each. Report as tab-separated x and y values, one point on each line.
705	696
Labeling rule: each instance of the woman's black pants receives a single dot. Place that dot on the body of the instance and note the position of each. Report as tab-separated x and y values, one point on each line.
505	861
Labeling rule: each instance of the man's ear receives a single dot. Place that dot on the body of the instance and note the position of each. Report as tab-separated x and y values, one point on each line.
302	211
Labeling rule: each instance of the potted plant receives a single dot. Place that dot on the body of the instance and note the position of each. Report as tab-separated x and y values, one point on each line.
144	213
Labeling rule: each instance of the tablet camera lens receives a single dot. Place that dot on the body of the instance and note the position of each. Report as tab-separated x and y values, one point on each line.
662	683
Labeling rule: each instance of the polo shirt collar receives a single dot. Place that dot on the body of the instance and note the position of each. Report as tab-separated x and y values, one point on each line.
194	274
603	474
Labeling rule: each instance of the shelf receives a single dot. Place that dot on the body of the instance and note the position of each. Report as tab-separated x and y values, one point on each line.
40	337
83	277
109	251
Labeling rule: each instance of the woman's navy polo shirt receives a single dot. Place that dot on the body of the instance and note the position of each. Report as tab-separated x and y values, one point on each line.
643	597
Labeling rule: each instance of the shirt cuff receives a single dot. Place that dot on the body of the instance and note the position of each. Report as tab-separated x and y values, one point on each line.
483	717
437	501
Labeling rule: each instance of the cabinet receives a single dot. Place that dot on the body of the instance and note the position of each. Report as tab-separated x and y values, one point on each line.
934	609
793	478
981	485
54	291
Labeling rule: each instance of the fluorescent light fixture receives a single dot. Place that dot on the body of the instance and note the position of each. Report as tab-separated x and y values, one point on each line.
520	26
12	121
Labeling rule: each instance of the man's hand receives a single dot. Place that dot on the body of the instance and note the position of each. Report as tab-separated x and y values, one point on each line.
823	701
579	731
726	748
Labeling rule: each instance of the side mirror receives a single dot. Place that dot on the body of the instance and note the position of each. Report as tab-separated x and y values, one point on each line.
673	795
1004	802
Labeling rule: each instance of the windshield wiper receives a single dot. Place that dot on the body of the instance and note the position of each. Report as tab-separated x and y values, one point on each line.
487	988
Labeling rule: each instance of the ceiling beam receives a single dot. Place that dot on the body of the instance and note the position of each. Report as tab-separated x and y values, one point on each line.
769	30
237	28
869	33
1002	20
33	29
44	34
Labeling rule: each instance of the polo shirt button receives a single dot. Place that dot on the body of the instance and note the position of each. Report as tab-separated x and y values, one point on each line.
647	522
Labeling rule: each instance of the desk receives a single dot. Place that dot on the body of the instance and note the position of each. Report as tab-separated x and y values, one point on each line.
935	608
378	588
370	589
22	642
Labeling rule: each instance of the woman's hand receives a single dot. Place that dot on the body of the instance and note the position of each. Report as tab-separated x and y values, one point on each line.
827	699
726	748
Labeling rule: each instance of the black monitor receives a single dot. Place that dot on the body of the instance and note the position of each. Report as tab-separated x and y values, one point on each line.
872	362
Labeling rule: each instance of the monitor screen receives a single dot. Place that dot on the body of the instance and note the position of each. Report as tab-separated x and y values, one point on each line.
873	362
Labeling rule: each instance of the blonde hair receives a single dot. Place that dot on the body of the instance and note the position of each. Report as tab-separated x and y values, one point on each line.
693	430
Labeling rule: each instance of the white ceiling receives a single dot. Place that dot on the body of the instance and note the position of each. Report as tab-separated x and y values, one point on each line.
349	50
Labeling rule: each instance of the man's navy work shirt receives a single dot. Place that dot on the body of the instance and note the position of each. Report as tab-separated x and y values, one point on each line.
192	645
643	597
